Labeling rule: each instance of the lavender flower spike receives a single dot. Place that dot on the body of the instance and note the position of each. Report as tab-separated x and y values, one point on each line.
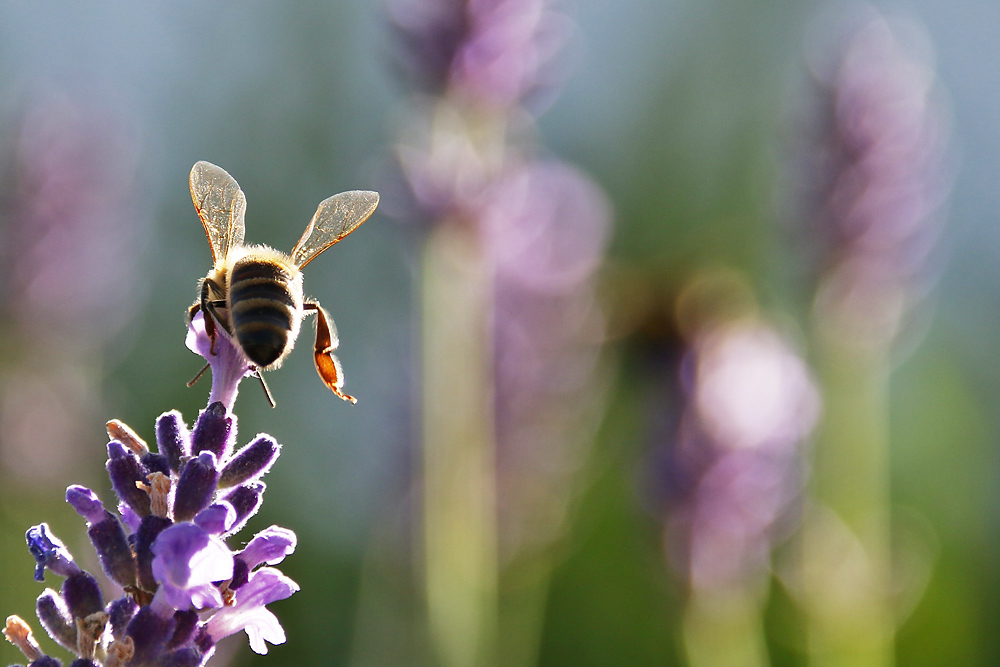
180	587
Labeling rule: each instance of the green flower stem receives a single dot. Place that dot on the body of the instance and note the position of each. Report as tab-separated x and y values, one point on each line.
846	537
725	628
459	494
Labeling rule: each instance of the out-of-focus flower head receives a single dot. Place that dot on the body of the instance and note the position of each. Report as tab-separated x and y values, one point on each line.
484	66
546	227
495	53
733	464
751	405
874	178
73	227
71	237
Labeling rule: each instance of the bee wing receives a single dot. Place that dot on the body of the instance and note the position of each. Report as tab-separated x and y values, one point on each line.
335	218
221	206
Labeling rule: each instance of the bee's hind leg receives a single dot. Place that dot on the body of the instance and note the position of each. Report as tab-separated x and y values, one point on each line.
208	308
327	364
267	390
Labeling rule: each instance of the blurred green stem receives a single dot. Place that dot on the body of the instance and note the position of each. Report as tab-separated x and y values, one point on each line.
459	508
725	628
846	551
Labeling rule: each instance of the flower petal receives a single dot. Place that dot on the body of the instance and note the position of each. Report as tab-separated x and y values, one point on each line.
266	585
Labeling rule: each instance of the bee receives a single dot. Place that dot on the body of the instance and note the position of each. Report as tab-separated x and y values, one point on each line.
255	292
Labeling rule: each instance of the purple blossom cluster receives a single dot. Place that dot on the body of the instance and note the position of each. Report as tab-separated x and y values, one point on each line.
542	225
735	460
874	177
69	246
180	588
498	53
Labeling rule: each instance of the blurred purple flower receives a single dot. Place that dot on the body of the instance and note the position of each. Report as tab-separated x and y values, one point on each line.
543	226
748	405
70	246
546	226
514	245
874	178
499	53
72	236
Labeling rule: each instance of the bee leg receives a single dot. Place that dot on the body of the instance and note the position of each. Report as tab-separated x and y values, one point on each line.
208	307
198	376
267	390
327	365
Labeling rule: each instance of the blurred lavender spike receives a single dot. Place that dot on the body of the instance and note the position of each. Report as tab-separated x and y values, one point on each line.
876	178
749	403
499	53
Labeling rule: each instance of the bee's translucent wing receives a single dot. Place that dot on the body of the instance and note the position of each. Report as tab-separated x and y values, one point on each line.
221	206
335	218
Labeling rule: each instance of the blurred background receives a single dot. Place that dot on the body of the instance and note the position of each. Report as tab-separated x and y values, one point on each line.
674	335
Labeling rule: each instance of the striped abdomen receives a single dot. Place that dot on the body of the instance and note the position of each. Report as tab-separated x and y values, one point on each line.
265	305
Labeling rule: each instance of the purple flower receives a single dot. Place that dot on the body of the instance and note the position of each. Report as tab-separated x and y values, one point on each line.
512	252
49	553
71	239
270	546
249	613
875	178
229	364
187	559
748	405
495	52
216	518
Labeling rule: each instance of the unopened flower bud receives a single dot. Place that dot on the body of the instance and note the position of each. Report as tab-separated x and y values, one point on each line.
126	472
250	462
196	486
173	439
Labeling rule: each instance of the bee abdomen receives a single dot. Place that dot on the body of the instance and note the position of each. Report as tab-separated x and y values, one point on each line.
263	310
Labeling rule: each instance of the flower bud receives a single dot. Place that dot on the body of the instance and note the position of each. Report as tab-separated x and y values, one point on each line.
55	618
196	486
214	431
125	471
246	500
82	594
173	439
120	612
150	633
149	530
250	462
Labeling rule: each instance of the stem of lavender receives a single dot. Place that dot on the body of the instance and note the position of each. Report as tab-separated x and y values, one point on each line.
846	551
459	509
725	628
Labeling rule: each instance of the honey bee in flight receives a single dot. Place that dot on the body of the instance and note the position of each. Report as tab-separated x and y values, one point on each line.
255	292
